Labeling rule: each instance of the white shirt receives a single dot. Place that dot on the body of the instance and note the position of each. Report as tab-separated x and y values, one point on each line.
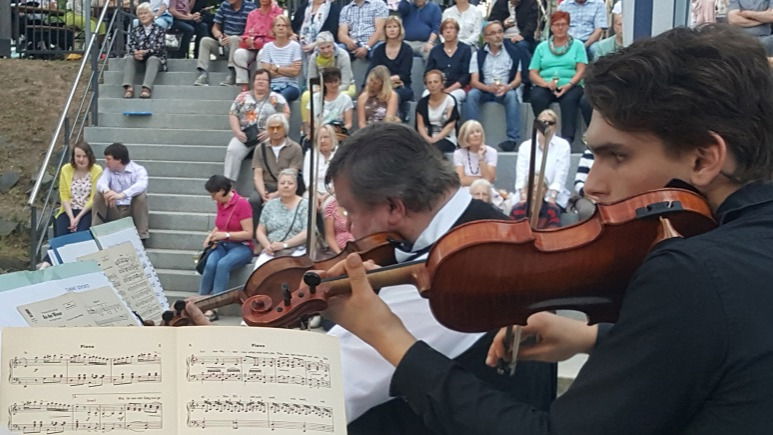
470	23
471	161
322	165
366	373
131	181
556	167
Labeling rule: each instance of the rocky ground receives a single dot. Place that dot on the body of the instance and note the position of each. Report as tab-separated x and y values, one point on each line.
32	94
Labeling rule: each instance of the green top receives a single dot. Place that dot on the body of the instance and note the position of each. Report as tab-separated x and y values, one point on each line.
564	66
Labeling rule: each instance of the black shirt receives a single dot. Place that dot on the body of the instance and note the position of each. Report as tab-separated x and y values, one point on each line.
692	351
456	68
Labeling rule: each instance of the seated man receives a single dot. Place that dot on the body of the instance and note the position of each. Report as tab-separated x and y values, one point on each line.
495	74
270	158
755	17
229	25
421	19
121	190
588	20
188	23
519	18
361	26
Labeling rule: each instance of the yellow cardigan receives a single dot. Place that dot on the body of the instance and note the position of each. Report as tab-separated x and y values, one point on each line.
65	184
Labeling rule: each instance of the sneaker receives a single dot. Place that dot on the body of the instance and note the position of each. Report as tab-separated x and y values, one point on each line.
202	79
230	80
508	145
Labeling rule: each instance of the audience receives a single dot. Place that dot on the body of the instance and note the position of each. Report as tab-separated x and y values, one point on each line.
361	26
437	114
77	186
469	20
481	189
161	15
397	56
613	43
282	227
474	160
422	21
327	143
313	18
146	45
452	57
556	71
519	18
495	72
231	237
337	233
249	113
188	23
755	17
282	57
327	55
336	106
378	101
121	191
554	177
257	33
588	20
229	23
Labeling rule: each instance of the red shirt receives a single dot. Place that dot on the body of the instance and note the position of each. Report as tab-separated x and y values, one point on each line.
230	215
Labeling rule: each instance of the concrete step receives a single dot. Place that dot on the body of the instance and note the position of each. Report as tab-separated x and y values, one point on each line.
177	185
163	168
176	239
158	136
181	220
173	65
217	121
181	284
192	153
187	91
178	106
181	203
177	259
184	78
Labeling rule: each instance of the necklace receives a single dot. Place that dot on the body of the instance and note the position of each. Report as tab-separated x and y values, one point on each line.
469	164
560	51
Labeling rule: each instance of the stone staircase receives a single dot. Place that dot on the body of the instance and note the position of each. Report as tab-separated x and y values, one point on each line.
181	145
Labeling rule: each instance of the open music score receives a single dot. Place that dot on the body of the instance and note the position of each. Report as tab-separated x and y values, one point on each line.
52	417
154	381
236	414
296	370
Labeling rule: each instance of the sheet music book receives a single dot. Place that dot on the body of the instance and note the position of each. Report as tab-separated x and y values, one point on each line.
158	380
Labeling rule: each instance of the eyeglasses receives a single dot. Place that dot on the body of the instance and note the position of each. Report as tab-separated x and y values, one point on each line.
547	122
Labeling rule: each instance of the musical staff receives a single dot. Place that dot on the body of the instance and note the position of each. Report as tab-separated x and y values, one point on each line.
84	370
236	414
53	417
312	372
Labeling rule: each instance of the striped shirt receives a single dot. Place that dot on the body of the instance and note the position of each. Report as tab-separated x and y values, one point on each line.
583	169
282	56
231	21
585	17
361	19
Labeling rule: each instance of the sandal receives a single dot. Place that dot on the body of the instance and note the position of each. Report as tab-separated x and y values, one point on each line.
211	315
128	92
145	93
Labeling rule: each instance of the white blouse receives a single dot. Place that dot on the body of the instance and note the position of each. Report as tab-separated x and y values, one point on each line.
556	167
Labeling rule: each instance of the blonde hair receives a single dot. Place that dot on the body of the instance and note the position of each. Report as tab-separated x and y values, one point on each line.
467	129
551	113
395	19
286	20
382	73
331	131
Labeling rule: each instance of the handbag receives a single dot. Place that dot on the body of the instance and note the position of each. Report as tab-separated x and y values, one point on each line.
252	135
201	260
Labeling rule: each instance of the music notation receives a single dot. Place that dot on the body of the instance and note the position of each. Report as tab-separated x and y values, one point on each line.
237	414
53	417
85	370
294	370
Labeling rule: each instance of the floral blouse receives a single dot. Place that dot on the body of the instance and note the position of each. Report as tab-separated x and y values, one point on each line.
251	111
80	189
154	41
375	110
277	219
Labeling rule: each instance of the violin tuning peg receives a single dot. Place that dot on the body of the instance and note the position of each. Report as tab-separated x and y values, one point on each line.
167	317
179	306
286	295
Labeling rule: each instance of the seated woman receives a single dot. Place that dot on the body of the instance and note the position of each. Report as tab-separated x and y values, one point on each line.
282	227
232	235
397	56
327	55
282	57
474	160
377	102
336	107
452	57
248	114
314	17
147	44
437	114
77	185
257	33
556	194
337	233
481	189
556	70
326	147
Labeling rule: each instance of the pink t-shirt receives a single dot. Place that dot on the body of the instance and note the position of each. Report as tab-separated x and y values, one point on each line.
230	216
342	234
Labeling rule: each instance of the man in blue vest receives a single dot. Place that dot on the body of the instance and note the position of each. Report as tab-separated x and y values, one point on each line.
495	75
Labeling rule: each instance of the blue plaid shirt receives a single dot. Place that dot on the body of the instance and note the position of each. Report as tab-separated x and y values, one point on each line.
585	18
361	20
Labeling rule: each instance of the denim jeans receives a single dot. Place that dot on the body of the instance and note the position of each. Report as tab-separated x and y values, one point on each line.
188	29
541	98
220	262
63	221
476	97
290	92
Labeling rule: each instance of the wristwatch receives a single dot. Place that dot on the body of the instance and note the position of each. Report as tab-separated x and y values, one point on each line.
276	68
285	245
227	235
367	47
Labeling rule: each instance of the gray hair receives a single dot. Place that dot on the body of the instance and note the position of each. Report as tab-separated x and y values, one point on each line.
143	7
279	117
324	38
386	161
291	172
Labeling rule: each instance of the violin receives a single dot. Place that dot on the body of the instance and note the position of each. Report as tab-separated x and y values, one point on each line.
275	278
487	274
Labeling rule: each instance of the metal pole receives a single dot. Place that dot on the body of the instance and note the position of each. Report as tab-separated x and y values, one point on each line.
33	239
94	83
86	14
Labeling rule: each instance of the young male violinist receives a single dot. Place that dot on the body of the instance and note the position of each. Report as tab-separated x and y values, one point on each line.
692	351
